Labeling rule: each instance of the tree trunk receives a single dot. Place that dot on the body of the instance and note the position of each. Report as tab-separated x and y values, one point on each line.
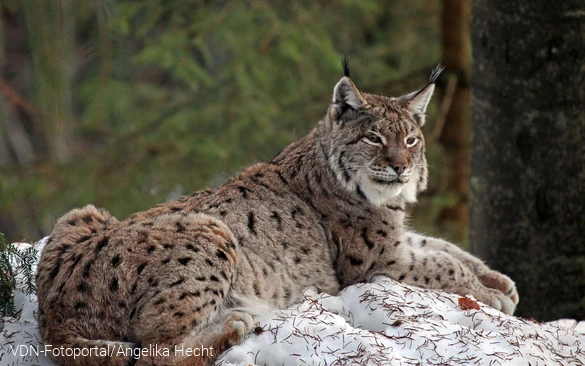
455	134
528	150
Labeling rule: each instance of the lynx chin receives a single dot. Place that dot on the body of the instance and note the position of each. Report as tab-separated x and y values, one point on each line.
328	212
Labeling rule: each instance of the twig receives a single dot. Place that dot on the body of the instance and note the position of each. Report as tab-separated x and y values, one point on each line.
16	133
15	98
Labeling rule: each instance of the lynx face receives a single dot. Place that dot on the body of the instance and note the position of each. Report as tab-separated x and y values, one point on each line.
377	147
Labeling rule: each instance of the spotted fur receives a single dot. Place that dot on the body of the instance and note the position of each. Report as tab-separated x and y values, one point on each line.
327	212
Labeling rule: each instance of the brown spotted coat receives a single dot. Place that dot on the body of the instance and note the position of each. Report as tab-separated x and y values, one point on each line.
326	212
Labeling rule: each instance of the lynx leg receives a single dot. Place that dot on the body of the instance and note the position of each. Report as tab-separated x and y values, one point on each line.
440	270
200	346
488	277
229	332
182	299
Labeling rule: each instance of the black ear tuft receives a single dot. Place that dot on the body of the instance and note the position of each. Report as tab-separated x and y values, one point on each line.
435	73
345	65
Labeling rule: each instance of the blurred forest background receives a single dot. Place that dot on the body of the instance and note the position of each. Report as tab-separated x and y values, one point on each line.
128	103
125	104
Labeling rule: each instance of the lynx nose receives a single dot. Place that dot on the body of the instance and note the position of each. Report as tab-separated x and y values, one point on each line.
399	169
397	162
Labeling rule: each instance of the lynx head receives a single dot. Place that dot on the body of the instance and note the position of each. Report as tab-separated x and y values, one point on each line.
375	144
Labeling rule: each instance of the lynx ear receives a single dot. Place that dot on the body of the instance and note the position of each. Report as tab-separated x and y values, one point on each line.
346	95
418	101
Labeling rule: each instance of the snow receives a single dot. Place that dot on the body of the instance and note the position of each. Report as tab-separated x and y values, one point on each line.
380	323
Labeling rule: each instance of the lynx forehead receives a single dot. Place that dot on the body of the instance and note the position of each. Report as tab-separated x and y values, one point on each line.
328	211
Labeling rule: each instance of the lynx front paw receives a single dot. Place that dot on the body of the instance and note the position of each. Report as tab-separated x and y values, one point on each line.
500	282
505	304
497	300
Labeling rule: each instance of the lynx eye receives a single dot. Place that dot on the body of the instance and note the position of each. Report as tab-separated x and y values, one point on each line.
374	138
411	141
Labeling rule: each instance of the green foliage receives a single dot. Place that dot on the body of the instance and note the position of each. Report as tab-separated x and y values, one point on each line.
165	97
14	262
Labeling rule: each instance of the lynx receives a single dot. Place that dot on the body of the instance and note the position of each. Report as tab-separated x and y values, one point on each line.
328	211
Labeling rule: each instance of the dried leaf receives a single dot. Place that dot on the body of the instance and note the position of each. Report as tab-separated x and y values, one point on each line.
467	304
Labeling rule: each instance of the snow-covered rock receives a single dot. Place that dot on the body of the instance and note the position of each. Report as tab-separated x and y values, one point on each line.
379	323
